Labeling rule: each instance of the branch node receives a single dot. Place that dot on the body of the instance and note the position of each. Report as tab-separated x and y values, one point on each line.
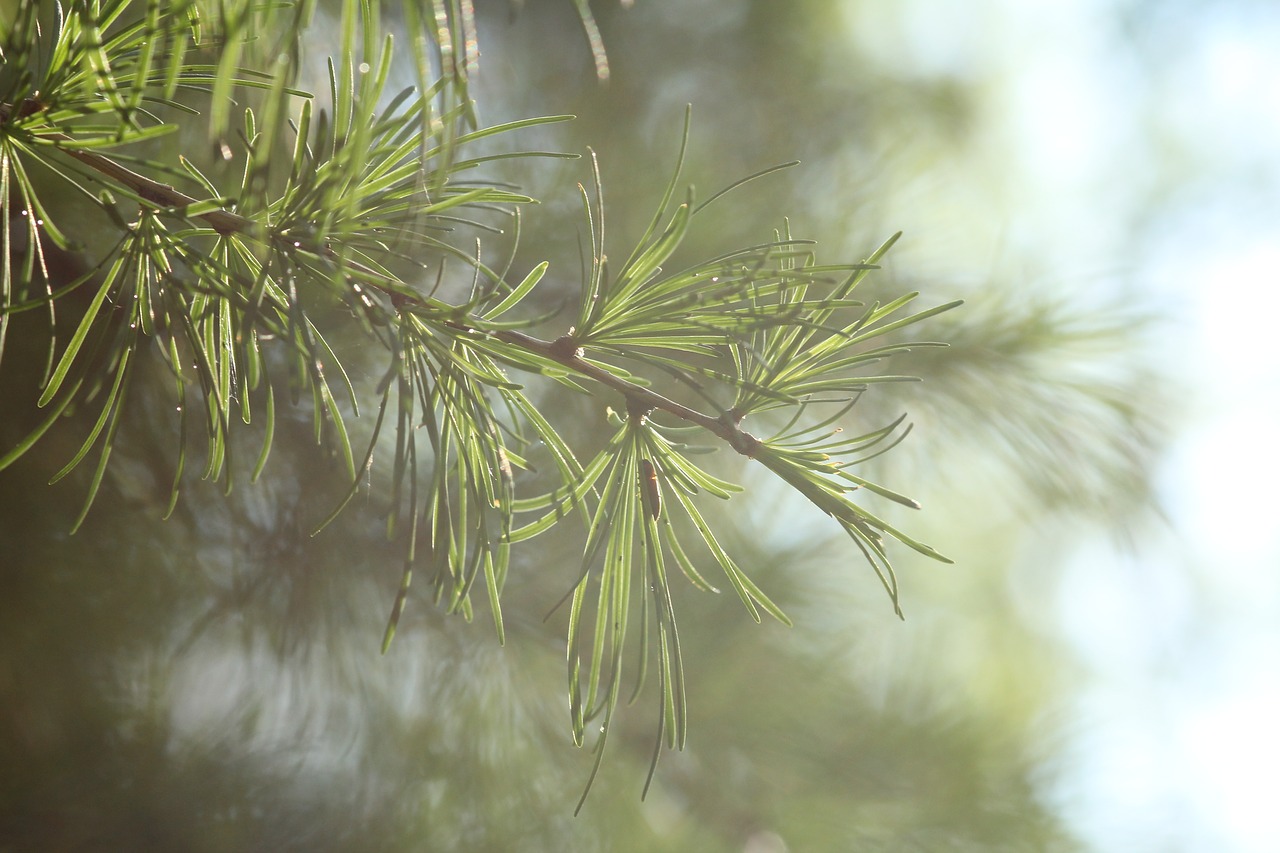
566	347
637	411
745	443
29	106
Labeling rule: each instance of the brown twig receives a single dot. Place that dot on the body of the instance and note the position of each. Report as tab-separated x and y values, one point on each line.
638	397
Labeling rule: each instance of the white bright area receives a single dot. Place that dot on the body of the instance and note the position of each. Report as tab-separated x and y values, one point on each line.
1137	146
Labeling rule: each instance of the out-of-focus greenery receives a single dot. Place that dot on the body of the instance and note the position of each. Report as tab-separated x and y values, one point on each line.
213	682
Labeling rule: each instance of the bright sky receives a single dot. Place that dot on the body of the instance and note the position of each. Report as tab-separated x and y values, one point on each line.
1178	745
1175	744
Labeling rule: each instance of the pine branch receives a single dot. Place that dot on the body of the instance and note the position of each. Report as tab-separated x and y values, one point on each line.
563	350
764	323
161	195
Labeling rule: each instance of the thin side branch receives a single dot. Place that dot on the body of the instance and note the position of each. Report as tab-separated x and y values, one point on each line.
638	397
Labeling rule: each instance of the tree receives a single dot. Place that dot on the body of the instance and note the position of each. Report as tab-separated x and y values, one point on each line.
345	248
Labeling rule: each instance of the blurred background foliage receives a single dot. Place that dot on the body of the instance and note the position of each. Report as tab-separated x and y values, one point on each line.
213	682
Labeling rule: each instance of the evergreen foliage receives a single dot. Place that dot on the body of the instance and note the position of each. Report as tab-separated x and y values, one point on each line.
351	214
